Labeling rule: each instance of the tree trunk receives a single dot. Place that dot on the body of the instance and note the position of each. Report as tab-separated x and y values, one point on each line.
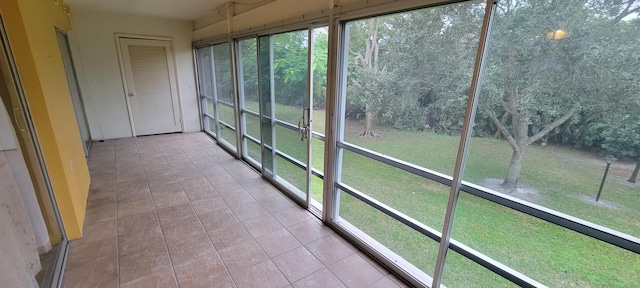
634	175
367	133
511	181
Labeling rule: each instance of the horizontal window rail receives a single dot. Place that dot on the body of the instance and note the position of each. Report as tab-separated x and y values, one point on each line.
406	166
254	114
317	135
250	138
207	115
473	255
227	125
317	173
225	103
587	228
505	271
572	223
291	160
404	219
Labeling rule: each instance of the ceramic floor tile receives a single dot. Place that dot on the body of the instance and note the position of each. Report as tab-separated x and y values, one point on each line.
175	213
262	225
261	190
81	255
278	242
189	248
228	236
237	199
101	213
297	264
137	222
309	231
137	241
101	274
217	219
200	192
180	200
163	188
248	211
277	203
161	279
264	274
206	271
321	279
242	255
170	199
387	282
126	195
329	249
135	207
139	264
355	271
179	230
97	231
292	216
204	206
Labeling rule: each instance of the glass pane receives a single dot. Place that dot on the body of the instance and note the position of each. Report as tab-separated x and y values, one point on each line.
408	79
21	206
290	74
264	75
462	272
407	243
419	198
547	253
248	73
317	186
205	76
293	175
210	125
252	126
226	115
228	135
562	101
317	154
223	85
288	142
320	55
207	106
253	150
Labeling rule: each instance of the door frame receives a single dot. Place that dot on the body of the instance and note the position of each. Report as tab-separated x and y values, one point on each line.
173	75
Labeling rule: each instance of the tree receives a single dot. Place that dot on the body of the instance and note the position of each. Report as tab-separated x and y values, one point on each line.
369	84
541	69
623	139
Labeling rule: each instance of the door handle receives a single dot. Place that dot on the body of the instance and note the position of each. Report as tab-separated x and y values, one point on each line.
131	94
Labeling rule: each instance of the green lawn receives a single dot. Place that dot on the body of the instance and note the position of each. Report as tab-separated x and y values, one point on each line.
547	253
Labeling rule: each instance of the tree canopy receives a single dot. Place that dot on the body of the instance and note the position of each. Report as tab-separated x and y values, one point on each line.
556	71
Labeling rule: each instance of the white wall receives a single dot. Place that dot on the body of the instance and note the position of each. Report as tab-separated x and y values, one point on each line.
95	56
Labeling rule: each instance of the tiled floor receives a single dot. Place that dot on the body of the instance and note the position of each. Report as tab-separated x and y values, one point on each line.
176	210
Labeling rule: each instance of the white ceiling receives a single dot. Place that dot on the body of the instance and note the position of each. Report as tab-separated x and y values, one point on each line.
174	9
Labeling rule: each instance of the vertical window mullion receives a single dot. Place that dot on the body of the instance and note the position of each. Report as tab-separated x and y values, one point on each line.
467	129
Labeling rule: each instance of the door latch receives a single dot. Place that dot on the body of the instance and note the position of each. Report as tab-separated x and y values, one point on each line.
304	129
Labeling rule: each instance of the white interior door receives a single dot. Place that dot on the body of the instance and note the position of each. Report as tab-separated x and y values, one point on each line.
151	90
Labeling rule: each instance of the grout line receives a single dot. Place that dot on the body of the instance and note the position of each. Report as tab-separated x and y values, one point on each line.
155	209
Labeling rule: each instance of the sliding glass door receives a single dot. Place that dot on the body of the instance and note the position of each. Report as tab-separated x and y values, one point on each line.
284	82
216	93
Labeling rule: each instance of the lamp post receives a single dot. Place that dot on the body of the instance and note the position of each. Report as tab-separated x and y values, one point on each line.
609	159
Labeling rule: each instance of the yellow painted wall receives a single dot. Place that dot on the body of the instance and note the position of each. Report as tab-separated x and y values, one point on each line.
30	25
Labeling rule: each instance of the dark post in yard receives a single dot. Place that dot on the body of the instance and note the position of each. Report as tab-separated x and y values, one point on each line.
609	159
